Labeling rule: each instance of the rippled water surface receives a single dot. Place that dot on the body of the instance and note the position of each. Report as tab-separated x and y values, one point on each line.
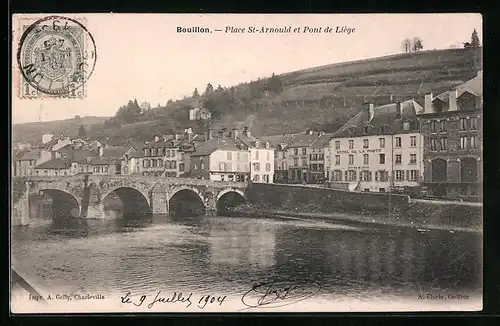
228	255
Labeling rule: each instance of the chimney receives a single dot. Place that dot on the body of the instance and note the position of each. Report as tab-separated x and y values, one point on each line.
189	135
209	133
428	103
398	110
369	109
247	132
452	100
101	151
234	133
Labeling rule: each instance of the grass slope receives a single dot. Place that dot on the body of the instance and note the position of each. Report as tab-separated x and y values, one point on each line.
322	97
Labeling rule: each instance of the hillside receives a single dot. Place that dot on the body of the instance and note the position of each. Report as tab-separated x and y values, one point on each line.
33	131
322	97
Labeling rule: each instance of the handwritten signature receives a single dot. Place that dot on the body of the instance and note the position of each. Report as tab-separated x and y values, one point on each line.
172	299
279	292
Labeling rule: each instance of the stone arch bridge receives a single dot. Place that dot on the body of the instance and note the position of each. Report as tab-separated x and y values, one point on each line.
77	195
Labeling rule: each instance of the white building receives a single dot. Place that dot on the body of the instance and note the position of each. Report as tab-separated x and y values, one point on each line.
380	149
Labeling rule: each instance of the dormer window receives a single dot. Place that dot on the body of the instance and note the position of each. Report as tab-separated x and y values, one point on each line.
257	144
406	125
267	145
365	130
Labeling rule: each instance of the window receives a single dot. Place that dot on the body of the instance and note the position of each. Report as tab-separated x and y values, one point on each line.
406	126
443	125
296	151
413	158
295	161
398	158
381	158
238	156
434	144
304	151
365	129
268	167
351	144
304	162
181	167
398	141
229	156
337	144
365	143
433	126
337	175
473	123
350	175
463	124
284	154
413	141
146	152
256	167
383	176
399	175
256	178
283	165
366	176
444	143
413	175
351	159
160	163
337	159
381	142
266	178
365	159
463	142
153	151
473	141
153	163
381	189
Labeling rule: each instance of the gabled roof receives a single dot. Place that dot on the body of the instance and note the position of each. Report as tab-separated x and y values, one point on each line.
217	143
302	140
56	164
385	115
322	141
115	152
473	86
31	155
137	154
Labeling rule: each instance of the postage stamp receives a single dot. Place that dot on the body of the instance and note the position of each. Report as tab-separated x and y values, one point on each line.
56	55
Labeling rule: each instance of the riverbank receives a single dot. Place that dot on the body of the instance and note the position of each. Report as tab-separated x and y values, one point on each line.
420	216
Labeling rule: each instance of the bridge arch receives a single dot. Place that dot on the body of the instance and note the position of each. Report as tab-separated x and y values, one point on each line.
186	201
228	198
66	207
134	201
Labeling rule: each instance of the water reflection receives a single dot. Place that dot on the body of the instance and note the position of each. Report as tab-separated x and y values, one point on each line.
230	254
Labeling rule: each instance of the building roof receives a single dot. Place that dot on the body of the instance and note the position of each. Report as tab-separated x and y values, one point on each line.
30	155
304	139
322	141
137	153
473	86
115	152
385	115
55	163
218	143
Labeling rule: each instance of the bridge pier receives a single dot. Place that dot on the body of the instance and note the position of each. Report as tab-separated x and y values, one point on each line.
21	210
95	211
159	202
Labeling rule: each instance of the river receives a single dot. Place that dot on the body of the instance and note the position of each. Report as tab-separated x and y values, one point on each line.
228	255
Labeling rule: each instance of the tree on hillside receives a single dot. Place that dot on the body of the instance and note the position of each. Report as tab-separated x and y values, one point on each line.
77	117
417	44
195	93
406	45
209	89
219	88
169	101
82	132
274	84
474	40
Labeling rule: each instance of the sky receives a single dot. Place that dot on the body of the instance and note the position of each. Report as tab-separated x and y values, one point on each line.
142	56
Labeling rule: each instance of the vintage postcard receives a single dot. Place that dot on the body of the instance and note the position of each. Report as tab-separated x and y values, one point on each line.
246	163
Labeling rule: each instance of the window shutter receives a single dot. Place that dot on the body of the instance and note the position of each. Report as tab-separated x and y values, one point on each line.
407	174
346	177
393	172
360	175
376	176
370	175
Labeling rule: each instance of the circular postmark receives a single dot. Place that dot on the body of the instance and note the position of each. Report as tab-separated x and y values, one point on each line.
56	55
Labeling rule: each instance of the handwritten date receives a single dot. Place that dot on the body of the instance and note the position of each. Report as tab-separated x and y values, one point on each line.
175	298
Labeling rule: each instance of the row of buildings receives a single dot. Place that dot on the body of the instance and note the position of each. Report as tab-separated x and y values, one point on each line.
399	146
